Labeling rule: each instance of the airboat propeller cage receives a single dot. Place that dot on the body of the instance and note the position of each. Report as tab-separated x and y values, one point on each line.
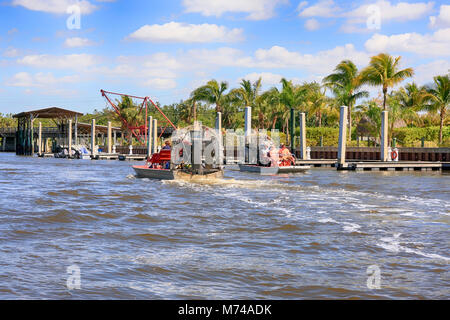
197	146
196	149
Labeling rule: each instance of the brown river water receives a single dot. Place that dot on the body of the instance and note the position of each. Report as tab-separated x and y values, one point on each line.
312	235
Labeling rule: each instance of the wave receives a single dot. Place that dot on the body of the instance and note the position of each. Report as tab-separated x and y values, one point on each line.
393	244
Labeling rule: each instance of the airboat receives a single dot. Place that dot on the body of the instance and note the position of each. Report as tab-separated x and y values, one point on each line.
195	156
266	160
280	169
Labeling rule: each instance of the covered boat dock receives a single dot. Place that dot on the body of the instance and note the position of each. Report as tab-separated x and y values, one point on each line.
25	130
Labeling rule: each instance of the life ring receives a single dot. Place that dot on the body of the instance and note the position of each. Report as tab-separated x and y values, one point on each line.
394	155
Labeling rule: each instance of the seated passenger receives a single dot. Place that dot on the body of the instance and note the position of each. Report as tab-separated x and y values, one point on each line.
285	155
167	146
264	155
274	156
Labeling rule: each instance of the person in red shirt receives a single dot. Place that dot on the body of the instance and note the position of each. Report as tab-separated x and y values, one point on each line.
286	156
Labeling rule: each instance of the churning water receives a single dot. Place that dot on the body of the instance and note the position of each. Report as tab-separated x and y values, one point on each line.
310	235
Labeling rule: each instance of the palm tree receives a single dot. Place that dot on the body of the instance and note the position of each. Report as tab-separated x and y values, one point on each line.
371	118
248	93
213	93
345	82
185	110
399	114
130	113
383	71
439	97
317	102
412	96
232	111
272	99
291	96
410	99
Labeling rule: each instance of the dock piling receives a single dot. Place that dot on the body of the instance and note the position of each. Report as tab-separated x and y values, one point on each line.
149	137
219	133
219	122
93	138
155	136
384	136
109	137
342	136
247	132
69	134
76	130
292	127
303	136
39	139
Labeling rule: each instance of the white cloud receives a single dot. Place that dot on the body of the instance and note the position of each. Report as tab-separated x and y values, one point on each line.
213	58
161	83
11	52
256	9
276	57
25	79
443	20
436	44
312	24
160	66
71	61
55	6
324	8
162	60
355	20
21	79
186	33
162	70
76	42
402	11
301	5
267	78
424	73
318	63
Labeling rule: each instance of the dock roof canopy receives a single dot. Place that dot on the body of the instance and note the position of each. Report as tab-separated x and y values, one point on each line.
49	113
86	127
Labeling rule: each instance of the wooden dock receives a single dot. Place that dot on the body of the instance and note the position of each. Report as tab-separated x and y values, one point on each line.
317	163
106	156
121	157
396	166
132	157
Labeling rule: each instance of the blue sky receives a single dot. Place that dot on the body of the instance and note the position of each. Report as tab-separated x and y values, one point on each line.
164	49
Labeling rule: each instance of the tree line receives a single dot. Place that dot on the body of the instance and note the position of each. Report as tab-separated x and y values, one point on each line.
409	106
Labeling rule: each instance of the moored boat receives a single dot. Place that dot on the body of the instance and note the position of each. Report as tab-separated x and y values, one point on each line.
272	170
175	174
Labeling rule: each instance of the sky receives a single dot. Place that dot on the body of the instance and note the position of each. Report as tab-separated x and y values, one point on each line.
62	52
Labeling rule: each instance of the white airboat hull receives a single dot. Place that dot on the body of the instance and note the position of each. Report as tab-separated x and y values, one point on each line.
272	170
165	174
